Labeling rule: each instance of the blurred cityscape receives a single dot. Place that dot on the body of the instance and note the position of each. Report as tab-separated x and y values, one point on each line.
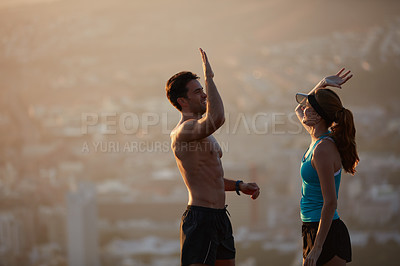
87	176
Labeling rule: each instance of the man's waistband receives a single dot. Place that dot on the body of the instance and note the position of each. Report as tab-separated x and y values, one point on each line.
206	209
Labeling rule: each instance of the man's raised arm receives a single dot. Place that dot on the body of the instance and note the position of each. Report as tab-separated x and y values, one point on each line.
214	117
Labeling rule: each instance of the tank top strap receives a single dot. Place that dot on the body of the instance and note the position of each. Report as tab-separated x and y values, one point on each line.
320	138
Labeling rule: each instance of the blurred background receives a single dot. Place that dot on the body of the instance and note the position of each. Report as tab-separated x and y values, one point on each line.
87	176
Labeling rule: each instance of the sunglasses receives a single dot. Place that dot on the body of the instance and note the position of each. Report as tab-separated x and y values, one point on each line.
301	98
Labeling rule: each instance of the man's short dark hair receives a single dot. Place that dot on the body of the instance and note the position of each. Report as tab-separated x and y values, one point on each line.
176	87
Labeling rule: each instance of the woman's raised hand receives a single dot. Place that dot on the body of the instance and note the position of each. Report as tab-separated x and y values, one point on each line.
337	80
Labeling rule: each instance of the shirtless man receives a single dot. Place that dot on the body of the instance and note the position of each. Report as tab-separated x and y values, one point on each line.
206	231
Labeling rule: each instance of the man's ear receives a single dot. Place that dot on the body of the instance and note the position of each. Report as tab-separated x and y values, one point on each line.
182	101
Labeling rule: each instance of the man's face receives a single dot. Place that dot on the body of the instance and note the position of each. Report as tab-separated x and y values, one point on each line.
196	98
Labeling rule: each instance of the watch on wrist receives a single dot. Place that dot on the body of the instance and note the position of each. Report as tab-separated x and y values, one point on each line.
237	186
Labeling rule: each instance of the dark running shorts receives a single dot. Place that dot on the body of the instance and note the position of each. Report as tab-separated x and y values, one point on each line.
337	242
206	236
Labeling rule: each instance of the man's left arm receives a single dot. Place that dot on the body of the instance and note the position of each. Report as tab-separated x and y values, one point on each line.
239	186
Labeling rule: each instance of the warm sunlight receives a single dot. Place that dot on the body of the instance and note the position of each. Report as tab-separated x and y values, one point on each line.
87	172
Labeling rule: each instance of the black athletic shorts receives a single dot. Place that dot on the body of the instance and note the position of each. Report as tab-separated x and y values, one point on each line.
206	236
337	242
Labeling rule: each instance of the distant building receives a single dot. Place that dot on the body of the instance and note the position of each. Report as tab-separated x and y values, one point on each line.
54	220
10	234
82	231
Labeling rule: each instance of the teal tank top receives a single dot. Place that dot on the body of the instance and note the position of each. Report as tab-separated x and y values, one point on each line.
311	196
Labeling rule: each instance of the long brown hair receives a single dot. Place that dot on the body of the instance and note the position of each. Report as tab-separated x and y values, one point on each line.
342	127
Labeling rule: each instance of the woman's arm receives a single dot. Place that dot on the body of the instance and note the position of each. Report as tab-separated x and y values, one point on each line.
300	109
333	81
323	159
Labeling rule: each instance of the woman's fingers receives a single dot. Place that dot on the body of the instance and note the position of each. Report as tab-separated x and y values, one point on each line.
349	77
340	72
345	74
345	77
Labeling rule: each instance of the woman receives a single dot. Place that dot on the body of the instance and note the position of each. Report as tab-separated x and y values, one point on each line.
326	240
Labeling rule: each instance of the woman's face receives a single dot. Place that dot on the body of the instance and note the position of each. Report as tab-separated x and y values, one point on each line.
310	116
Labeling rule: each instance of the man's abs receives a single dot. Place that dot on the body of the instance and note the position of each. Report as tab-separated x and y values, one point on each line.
202	172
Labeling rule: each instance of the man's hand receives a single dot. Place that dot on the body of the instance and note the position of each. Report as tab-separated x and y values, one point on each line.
337	80
208	73
250	189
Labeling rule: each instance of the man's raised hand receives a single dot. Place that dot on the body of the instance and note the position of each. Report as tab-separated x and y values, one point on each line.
208	73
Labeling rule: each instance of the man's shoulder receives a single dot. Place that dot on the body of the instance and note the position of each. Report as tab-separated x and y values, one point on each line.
182	129
187	125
